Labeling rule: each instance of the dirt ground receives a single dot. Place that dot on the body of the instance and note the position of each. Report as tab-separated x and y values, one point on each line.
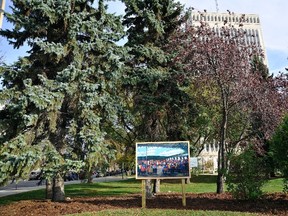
273	204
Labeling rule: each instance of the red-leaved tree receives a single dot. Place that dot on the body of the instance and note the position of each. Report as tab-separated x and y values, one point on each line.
249	103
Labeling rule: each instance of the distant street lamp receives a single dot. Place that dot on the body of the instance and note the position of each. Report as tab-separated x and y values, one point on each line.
2	7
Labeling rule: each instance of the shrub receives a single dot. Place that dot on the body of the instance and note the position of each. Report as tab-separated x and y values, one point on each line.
279	150
285	182
247	174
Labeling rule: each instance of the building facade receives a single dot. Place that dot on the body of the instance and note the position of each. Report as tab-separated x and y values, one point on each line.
249	22
208	158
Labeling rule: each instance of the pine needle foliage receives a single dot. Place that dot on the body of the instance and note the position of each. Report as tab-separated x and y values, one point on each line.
158	103
59	96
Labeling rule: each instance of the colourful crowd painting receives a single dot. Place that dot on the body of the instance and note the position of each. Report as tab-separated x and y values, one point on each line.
162	160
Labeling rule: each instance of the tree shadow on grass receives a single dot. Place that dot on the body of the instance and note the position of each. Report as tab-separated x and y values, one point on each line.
194	179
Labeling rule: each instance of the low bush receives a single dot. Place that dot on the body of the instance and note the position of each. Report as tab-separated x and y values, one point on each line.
247	175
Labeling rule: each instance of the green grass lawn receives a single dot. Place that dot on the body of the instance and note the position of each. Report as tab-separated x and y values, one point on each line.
130	186
199	184
274	185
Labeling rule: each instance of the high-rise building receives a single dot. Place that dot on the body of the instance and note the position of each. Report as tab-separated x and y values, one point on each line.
2	7
249	22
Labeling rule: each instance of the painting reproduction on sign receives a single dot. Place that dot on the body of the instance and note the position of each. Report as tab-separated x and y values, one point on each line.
162	160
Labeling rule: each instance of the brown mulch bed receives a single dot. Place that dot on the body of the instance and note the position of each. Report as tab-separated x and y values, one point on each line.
272	204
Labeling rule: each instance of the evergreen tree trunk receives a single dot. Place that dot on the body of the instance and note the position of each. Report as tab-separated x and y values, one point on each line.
48	189
58	189
149	193
156	186
89	177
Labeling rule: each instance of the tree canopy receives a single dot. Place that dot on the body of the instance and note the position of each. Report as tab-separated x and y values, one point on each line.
58	98
78	98
219	61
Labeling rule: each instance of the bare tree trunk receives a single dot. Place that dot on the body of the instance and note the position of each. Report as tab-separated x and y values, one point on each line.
49	191
221	152
220	183
149	193
221	168
58	189
156	186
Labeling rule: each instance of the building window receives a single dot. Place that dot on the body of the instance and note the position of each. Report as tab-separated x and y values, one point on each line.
216	146
212	147
207	147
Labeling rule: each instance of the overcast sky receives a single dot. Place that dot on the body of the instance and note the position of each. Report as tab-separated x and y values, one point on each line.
273	19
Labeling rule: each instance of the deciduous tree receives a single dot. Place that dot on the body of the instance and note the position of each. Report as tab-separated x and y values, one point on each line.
219	60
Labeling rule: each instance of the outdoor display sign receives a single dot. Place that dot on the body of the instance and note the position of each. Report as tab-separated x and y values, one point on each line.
193	162
162	160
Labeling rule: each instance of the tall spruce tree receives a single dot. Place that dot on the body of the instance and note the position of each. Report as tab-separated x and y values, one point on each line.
150	77
155	97
58	98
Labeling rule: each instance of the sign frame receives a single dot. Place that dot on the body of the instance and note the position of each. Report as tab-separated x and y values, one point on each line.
163	160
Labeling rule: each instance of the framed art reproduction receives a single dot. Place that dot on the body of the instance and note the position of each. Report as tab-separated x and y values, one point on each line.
162	160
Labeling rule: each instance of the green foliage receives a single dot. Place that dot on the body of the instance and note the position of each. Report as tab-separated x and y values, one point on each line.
152	20
279	150
59	98
285	183
247	175
279	147
149	91
160	109
231	85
